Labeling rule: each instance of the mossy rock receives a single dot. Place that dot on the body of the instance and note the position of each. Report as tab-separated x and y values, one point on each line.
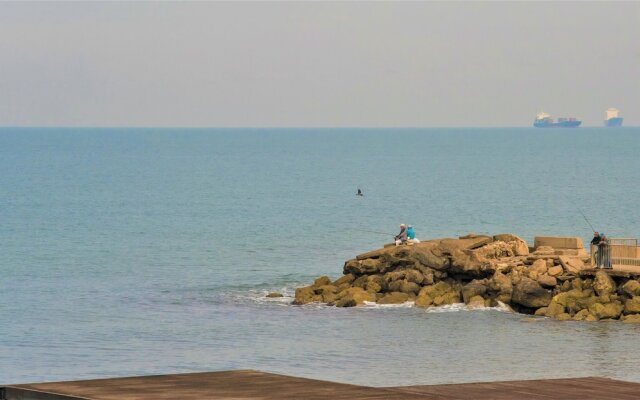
348	278
631	288
476	302
354	295
632	306
394	298
603	284
323	280
306	295
554	309
607	310
632	319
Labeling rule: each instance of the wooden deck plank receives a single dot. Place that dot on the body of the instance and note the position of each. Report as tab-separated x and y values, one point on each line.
249	384
215	385
575	388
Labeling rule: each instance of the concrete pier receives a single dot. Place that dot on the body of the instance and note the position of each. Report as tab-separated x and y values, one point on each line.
249	384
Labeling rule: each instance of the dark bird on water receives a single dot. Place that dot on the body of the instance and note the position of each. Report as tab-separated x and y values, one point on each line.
359	193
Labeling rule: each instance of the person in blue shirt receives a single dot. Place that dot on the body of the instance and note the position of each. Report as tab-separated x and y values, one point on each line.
411	233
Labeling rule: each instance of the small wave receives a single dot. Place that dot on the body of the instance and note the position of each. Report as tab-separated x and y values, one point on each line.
457	307
406	304
260	296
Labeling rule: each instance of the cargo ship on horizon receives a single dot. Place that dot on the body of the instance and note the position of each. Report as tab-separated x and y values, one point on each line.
544	120
613	120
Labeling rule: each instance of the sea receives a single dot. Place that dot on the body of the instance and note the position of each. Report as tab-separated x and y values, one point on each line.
150	251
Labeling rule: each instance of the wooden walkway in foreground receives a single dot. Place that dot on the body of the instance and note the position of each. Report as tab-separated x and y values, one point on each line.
248	384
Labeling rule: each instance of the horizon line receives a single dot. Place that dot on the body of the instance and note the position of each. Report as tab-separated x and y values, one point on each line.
288	127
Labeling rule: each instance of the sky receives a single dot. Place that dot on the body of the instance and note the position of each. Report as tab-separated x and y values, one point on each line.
317	64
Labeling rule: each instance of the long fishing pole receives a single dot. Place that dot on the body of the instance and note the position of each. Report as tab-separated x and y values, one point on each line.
370	231
585	218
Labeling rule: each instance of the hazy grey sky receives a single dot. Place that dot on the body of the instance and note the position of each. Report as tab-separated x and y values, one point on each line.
316	64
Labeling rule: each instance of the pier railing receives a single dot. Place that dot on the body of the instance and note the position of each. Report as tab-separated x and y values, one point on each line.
621	251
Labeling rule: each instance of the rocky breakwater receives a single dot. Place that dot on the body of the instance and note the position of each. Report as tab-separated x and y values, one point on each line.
483	271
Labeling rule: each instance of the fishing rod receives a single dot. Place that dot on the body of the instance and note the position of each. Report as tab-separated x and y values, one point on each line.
585	218
370	231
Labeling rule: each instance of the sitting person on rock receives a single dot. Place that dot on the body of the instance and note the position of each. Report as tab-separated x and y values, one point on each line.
411	234
401	238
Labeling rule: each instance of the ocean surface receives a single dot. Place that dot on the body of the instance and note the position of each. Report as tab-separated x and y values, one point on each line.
149	251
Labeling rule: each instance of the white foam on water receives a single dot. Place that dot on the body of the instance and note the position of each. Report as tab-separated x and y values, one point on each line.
260	296
406	304
457	307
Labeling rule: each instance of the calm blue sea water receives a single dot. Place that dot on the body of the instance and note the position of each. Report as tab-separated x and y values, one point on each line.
147	251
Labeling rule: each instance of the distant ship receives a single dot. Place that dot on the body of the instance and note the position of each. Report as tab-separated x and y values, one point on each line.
612	120
544	120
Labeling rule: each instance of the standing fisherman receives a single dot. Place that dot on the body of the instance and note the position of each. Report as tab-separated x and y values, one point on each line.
604	253
596	239
594	247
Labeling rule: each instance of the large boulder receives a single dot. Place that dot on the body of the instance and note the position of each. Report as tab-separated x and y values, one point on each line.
394	298
373	287
306	295
631	319
373	283
360	281
476	302
603	284
631	288
404	287
472	289
538	267
353	297
451	255
572	265
362	267
439	294
410	275
555	271
328	292
632	306
554	309
501	284
325	289
345	279
547	281
529	293
609	310
584	315
323	280
575	300
493	252
518	245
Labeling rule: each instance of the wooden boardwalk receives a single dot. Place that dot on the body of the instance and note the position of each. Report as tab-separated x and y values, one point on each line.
248	384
